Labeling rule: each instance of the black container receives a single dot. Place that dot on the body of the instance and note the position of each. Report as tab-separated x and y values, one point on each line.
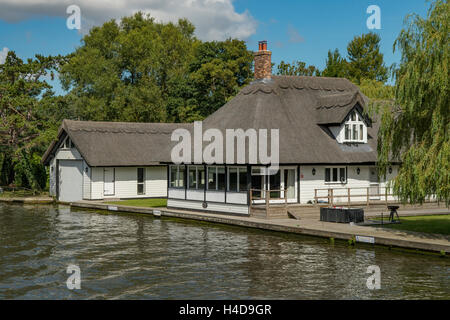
341	215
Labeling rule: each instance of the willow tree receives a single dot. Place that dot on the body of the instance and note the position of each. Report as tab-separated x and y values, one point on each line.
416	129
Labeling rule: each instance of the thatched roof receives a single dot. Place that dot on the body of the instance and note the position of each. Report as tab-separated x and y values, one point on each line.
118	143
302	108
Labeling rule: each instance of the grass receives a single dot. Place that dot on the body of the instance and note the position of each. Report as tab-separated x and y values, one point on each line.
439	224
21	194
155	203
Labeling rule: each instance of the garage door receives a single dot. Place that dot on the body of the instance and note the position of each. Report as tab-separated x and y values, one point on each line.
70	180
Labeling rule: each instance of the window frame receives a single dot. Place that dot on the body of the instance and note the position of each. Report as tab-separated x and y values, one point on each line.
338	172
352	126
238	182
177	178
216	175
198	184
140	183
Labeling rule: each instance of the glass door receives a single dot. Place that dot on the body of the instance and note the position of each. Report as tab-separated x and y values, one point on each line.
289	184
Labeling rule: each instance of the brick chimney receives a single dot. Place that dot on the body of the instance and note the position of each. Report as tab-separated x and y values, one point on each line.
263	61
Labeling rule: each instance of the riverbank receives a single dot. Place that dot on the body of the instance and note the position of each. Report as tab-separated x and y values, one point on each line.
308	226
28	200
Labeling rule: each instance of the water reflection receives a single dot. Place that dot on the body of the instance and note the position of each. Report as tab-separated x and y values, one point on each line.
125	256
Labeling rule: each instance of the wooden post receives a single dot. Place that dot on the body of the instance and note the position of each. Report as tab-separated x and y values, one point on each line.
267	203
332	197
285	197
315	196
385	195
251	198
368	196
348	194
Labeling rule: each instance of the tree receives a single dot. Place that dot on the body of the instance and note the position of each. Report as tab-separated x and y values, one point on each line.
218	71
123	71
365	58
336	66
146	71
297	68
24	94
416	129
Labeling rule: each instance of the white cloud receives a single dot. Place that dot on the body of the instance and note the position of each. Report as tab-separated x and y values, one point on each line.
294	35
213	19
3	55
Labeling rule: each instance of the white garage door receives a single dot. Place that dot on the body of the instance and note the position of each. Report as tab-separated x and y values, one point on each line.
70	180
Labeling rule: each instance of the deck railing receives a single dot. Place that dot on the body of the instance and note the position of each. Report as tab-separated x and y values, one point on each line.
265	195
369	193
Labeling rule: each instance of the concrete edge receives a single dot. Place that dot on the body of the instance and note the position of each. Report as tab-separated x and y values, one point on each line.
385	241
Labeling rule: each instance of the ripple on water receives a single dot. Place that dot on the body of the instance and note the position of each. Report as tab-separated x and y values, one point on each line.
126	256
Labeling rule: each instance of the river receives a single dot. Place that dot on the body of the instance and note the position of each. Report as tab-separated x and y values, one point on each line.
132	256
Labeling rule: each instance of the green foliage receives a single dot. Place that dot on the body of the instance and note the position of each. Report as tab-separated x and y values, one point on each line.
365	61
24	95
145	71
416	130
377	90
336	66
217	72
297	68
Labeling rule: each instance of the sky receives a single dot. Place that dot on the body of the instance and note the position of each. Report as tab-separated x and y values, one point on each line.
295	30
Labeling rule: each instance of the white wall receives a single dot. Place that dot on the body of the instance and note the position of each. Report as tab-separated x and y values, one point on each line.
125	184
86	181
309	182
215	207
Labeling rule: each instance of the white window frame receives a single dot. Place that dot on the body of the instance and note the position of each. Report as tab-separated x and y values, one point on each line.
358	122
338	181
238	169
144	178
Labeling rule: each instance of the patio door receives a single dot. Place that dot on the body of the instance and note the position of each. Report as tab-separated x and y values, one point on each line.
290	184
258	185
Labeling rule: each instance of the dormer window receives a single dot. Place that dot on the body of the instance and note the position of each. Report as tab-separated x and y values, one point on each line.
354	128
68	143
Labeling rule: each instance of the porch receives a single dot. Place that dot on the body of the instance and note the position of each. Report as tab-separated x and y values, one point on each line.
274	204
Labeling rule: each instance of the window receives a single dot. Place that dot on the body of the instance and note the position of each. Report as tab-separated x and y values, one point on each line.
335	175
216	178
141	181
233	179
177	176
237	179
192	178
354	128
67	144
348	132
196	177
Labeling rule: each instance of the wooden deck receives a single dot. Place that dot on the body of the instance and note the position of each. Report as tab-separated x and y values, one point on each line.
300	211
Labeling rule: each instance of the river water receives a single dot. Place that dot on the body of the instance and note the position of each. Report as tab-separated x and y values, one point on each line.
131	256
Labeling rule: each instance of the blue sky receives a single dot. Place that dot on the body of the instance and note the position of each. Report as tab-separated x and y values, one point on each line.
295	30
